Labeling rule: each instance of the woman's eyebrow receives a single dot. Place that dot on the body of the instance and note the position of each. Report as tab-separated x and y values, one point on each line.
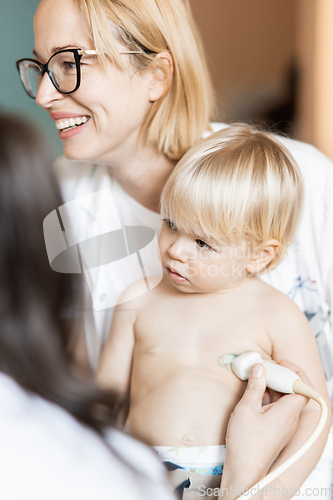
56	49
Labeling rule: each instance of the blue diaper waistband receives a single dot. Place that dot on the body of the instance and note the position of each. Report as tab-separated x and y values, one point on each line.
213	471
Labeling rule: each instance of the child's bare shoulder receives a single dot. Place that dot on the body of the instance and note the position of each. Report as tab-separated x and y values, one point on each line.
282	314
138	295
277	303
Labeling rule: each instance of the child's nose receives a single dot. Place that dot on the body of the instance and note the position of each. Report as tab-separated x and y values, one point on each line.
179	250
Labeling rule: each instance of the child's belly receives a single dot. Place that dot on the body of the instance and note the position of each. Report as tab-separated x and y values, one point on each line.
187	406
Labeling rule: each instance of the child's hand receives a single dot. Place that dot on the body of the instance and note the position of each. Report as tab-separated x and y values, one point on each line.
256	434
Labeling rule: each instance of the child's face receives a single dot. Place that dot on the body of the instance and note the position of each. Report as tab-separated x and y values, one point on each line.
193	264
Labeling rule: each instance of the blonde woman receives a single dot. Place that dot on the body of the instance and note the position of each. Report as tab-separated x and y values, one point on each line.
126	112
130	109
230	209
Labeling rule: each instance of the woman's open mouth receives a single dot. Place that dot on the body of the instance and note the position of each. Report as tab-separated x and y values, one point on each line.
65	124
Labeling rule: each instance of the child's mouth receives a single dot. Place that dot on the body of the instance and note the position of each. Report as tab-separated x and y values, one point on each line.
175	277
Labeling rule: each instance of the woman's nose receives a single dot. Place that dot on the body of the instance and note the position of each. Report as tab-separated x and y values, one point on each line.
47	93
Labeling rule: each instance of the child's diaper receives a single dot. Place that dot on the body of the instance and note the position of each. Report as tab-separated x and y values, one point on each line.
199	459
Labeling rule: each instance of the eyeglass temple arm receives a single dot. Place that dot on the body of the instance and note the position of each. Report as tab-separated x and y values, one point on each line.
94	52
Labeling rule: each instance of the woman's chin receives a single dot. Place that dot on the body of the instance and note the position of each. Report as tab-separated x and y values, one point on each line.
77	152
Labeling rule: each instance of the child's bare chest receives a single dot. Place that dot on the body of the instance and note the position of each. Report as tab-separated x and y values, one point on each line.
198	329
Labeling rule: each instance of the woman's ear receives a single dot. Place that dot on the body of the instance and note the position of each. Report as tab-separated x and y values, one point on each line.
161	70
263	254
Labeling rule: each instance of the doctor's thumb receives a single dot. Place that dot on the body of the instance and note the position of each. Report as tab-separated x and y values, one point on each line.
256	386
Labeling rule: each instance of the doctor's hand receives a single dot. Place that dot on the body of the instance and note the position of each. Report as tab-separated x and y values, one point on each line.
256	434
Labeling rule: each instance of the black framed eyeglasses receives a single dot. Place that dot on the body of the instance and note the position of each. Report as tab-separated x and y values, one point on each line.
63	68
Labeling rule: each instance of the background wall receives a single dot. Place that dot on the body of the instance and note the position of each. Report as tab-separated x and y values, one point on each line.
321	98
16	42
250	48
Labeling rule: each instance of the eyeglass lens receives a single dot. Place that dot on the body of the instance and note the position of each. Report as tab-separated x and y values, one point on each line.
61	69
30	76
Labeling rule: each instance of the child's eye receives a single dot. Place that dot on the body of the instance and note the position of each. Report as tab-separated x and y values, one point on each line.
202	244
170	224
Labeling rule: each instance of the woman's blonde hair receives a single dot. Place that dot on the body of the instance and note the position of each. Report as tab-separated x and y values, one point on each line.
239	182
178	119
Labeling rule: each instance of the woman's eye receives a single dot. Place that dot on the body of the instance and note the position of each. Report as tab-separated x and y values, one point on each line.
170	224
202	244
69	66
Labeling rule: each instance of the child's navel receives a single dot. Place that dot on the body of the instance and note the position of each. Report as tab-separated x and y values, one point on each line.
188	438
151	350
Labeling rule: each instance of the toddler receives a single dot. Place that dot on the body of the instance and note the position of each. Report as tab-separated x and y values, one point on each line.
230	208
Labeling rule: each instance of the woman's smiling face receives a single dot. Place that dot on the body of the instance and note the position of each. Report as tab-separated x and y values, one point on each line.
112	103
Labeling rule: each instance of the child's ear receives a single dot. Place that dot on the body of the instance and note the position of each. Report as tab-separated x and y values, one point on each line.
262	255
161	71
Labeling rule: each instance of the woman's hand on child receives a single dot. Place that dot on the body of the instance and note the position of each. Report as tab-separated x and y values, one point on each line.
256	434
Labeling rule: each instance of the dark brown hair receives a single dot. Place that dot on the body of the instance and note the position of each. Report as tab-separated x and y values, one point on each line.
34	300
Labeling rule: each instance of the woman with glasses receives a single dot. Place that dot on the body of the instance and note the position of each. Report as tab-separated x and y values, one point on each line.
128	89
127	86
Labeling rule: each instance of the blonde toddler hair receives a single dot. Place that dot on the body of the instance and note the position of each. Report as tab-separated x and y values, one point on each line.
178	119
239	182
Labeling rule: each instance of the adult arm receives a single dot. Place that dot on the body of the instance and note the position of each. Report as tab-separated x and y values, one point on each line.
306	272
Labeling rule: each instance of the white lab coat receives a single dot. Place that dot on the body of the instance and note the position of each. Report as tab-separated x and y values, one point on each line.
45	453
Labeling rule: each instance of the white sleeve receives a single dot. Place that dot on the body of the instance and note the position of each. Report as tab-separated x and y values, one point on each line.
327	244
145	463
46	453
306	272
317	219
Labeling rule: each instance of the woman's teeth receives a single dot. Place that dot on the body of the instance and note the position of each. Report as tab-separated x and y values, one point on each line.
68	123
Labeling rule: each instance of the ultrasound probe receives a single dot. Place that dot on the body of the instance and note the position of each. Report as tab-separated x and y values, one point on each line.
281	379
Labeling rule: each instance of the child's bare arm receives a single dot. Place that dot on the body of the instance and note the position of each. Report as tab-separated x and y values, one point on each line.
115	365
293	339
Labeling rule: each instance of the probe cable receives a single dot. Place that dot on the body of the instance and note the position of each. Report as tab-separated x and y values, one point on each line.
303	389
